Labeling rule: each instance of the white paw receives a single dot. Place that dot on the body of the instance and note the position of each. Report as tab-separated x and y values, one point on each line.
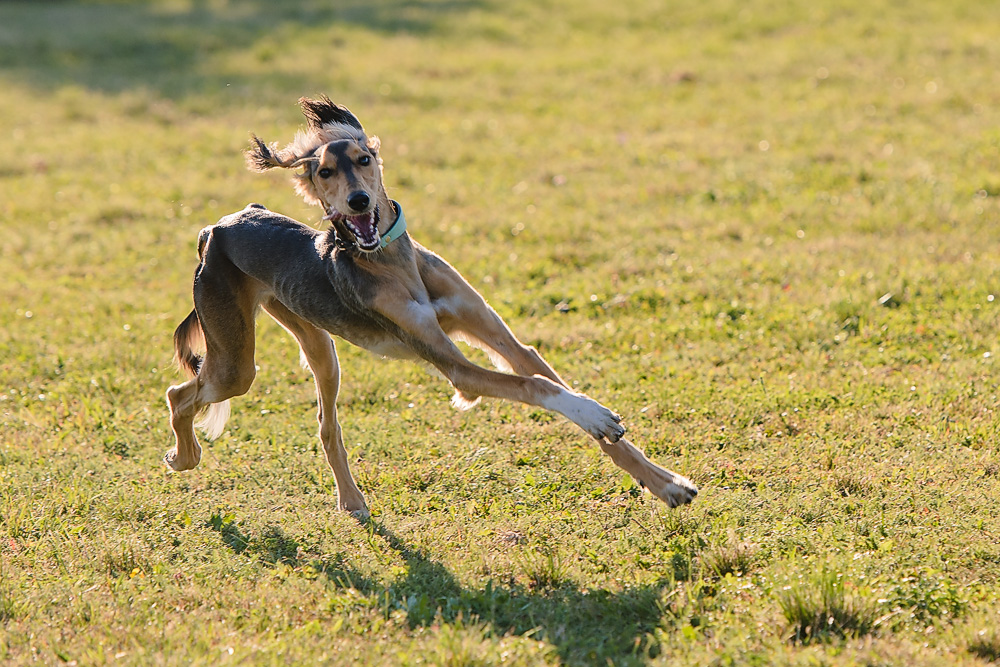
589	415
668	486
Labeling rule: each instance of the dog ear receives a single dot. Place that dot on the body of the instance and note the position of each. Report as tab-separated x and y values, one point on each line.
323	111
305	188
260	156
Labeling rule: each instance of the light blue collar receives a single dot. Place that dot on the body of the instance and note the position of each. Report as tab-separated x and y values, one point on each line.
397	229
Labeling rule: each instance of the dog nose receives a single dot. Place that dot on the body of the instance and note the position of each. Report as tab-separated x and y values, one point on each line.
359	201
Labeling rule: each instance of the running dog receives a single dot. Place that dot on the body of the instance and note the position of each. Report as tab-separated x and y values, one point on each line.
365	280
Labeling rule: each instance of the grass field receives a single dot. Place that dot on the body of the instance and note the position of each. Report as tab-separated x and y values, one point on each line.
766	233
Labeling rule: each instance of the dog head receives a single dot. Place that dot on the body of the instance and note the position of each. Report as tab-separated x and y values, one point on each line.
342	171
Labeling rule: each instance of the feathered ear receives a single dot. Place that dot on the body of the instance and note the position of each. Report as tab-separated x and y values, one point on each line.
261	156
323	111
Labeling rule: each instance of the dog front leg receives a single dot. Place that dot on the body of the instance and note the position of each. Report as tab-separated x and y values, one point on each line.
420	325
666	485
326	368
321	355
419	329
464	314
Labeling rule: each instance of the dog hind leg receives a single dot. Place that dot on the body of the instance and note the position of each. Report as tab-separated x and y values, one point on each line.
226	303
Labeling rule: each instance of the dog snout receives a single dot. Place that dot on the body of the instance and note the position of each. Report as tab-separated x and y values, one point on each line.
359	201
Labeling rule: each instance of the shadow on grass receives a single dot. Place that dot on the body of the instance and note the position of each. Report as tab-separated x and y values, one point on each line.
273	546
584	626
113	47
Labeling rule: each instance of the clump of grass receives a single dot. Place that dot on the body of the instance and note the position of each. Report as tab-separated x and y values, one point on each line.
985	643
821	609
734	557
850	485
545	569
921	598
9	608
124	559
458	649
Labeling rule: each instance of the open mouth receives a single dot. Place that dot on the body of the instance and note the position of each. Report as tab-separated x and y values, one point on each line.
364	227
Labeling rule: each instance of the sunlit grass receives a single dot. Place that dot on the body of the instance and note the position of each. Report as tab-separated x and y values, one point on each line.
766	235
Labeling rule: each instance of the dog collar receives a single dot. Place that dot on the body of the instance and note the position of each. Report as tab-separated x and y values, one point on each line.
398	227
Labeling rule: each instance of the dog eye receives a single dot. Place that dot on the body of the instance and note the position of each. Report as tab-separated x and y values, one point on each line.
325	172
364	160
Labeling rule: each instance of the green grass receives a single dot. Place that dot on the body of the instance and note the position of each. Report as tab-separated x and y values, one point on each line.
765	233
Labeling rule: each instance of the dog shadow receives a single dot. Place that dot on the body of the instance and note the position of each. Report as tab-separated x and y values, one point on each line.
583	626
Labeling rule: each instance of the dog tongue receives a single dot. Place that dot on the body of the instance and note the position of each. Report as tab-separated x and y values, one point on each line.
363	227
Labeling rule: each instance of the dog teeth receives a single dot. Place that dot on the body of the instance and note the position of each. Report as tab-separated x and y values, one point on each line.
365	239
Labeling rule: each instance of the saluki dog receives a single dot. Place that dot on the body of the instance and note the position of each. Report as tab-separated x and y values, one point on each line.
365	280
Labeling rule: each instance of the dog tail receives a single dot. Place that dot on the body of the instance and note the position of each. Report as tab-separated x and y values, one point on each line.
188	336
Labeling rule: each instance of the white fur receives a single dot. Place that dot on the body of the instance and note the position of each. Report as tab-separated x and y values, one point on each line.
498	361
460	402
213	422
586	413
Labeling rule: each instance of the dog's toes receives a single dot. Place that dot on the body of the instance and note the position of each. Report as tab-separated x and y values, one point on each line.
176	463
685	494
362	515
675	490
612	432
355	505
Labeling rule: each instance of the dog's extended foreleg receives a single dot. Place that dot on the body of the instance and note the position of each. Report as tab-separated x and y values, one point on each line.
320	354
666	485
419	328
464	315
544	391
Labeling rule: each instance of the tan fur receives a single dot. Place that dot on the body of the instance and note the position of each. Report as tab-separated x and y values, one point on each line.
401	300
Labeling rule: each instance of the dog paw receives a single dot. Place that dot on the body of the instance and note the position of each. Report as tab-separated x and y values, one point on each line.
668	486
601	423
588	414
178	463
358	511
362	515
352	501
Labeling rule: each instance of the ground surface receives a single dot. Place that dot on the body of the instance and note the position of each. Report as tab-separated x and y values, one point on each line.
765	234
